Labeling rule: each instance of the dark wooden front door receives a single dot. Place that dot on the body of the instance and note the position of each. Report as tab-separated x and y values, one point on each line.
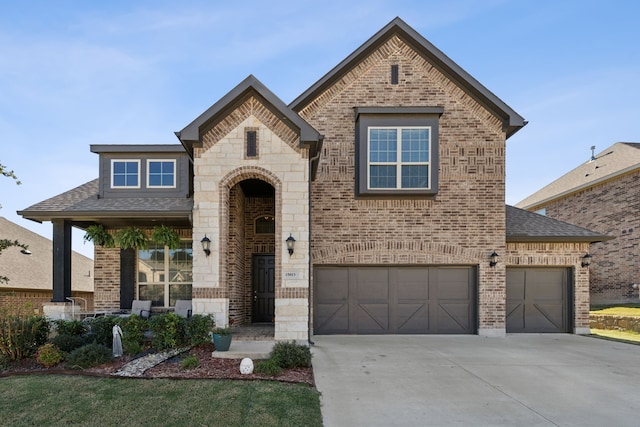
264	288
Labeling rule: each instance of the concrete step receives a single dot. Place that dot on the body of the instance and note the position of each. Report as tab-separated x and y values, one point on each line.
239	349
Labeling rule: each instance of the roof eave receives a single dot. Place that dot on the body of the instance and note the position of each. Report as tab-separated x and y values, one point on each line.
557	239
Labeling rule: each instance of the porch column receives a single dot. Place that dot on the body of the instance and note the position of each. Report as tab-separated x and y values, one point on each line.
61	260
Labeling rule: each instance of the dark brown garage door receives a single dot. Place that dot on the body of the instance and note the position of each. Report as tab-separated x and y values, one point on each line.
538	300
399	300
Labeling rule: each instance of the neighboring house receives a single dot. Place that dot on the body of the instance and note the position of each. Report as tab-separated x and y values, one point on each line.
602	194
387	175
30	272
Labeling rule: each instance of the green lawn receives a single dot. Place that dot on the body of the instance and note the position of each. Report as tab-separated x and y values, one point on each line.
622	310
59	400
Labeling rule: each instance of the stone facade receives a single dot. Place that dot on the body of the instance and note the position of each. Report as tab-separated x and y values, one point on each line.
610	208
220	209
462	225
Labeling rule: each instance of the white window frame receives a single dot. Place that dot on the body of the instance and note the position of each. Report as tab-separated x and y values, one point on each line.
164	277
398	163
175	175
113	161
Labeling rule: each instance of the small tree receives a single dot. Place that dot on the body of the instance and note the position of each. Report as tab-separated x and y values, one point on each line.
6	243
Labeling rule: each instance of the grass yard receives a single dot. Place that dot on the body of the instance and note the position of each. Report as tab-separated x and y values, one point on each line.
620	310
60	400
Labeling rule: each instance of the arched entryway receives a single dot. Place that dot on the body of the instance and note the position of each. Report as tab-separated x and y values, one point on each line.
252	248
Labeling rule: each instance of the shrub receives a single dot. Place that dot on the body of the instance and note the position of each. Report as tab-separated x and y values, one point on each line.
21	335
89	355
133	328
70	327
102	329
268	367
49	355
168	331
68	343
198	328
291	355
190	362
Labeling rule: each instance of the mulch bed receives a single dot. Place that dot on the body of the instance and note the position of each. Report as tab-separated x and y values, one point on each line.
209	368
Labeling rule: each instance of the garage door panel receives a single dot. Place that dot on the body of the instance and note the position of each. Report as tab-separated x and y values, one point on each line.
335	285
412	284
412	318
453	318
538	300
372	318
383	300
333	317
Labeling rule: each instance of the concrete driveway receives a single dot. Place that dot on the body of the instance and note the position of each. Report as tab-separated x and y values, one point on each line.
519	380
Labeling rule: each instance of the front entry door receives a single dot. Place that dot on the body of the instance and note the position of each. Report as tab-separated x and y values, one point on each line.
264	288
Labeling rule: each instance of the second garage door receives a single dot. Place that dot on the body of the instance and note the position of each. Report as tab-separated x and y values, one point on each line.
397	300
538	300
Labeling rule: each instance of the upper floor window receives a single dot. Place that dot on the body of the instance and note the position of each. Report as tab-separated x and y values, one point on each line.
399	158
397	151
161	173
125	173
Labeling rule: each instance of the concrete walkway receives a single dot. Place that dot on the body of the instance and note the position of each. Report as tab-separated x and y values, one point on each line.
519	380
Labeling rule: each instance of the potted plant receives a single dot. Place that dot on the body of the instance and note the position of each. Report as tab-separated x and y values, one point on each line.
166	236
99	236
221	338
131	238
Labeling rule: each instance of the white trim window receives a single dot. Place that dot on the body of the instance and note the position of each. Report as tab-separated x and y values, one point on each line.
165	275
161	173
125	173
398	158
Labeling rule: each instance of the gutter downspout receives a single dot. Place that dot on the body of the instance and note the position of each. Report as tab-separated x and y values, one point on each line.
311	160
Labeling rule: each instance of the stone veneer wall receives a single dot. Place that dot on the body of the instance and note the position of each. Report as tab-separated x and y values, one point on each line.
462	225
557	255
219	165
610	208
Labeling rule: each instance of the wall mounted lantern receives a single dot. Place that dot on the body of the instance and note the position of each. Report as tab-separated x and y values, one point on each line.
206	245
586	260
493	259
291	242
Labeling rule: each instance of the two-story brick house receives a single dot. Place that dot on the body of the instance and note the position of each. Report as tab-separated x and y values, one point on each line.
387	175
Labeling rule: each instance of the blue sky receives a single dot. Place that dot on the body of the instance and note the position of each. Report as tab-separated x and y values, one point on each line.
75	73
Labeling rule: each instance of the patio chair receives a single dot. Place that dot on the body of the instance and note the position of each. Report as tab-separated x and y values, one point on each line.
141	308
183	308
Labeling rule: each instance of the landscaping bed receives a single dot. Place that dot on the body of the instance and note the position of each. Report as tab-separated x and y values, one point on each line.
208	368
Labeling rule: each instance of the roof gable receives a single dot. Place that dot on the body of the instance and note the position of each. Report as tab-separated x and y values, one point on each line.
251	86
619	159
512	121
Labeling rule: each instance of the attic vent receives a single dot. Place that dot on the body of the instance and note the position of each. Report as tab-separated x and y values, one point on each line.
252	143
394	74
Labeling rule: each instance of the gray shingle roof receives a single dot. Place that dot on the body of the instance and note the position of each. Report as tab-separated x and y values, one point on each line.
620	158
83	201
525	226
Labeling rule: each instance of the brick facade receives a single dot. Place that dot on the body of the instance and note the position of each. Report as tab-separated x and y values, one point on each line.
610	208
15	301
466	220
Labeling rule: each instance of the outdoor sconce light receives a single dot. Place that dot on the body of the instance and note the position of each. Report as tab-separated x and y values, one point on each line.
291	242
206	245
586	260
493	259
